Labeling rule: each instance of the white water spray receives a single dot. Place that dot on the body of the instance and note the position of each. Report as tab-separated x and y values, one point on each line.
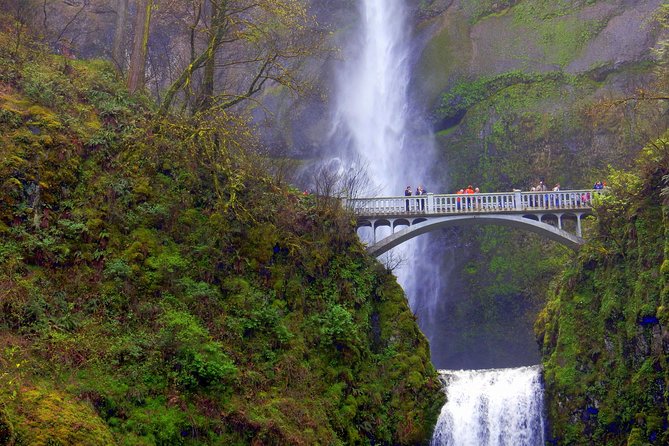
497	407
374	123
372	112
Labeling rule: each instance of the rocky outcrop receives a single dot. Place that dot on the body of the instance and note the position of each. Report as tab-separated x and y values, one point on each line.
467	40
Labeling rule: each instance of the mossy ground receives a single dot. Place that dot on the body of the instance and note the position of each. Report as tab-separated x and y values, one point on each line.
158	286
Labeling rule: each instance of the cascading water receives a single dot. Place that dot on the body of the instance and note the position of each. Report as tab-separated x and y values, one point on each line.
373	122
497	407
371	108
374	126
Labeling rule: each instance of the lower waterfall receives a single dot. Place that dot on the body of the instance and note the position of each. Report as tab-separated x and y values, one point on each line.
495	407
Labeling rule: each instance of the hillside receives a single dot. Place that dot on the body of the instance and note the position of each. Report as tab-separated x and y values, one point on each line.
159	286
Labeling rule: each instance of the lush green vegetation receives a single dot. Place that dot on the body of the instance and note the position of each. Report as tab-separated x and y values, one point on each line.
604	329
158	286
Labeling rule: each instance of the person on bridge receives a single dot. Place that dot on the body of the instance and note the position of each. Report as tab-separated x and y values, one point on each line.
543	199
407	193
421	191
459	192
469	191
556	198
531	200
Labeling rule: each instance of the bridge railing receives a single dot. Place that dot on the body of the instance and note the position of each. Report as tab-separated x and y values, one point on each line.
432	204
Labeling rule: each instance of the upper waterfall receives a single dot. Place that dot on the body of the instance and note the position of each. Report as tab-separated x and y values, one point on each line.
376	125
371	106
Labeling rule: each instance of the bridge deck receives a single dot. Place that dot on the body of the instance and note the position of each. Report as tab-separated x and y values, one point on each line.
447	204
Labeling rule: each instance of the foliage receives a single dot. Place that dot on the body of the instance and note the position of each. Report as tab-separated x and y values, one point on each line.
45	416
158	287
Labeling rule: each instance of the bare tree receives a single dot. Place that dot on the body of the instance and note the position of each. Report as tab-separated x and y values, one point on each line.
22	11
393	261
248	44
334	182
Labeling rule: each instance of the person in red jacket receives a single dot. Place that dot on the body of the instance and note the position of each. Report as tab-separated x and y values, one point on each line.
469	191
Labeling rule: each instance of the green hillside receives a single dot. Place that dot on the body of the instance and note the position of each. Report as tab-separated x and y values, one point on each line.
159	286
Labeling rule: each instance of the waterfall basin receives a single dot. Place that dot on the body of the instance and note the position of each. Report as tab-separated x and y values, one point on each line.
492	407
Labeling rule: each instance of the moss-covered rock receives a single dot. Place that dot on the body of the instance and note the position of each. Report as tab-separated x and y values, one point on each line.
604	342
47	417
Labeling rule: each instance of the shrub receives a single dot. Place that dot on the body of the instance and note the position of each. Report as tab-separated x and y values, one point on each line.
191	353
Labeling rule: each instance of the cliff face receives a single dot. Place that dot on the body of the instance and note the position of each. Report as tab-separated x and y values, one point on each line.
605	329
521	91
521	80
475	38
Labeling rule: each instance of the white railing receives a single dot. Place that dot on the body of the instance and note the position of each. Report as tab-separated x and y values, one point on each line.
439	204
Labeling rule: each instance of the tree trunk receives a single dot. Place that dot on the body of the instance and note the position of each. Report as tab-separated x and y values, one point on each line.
218	23
137	69
119	34
206	59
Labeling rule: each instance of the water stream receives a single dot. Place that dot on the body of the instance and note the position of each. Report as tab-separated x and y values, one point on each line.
374	126
371	112
497	407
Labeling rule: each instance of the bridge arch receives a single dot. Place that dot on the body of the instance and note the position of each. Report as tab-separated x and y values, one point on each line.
529	222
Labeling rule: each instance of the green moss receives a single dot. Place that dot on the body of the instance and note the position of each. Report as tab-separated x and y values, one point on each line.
160	287
480	9
557	26
443	56
45	417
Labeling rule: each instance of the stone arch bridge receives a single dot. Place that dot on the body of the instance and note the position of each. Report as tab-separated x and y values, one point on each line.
541	212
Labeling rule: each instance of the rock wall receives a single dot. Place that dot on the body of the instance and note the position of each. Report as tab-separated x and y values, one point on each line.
474	38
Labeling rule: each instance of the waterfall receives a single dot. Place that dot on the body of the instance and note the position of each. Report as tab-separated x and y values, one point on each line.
372	113
374	124
496	407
